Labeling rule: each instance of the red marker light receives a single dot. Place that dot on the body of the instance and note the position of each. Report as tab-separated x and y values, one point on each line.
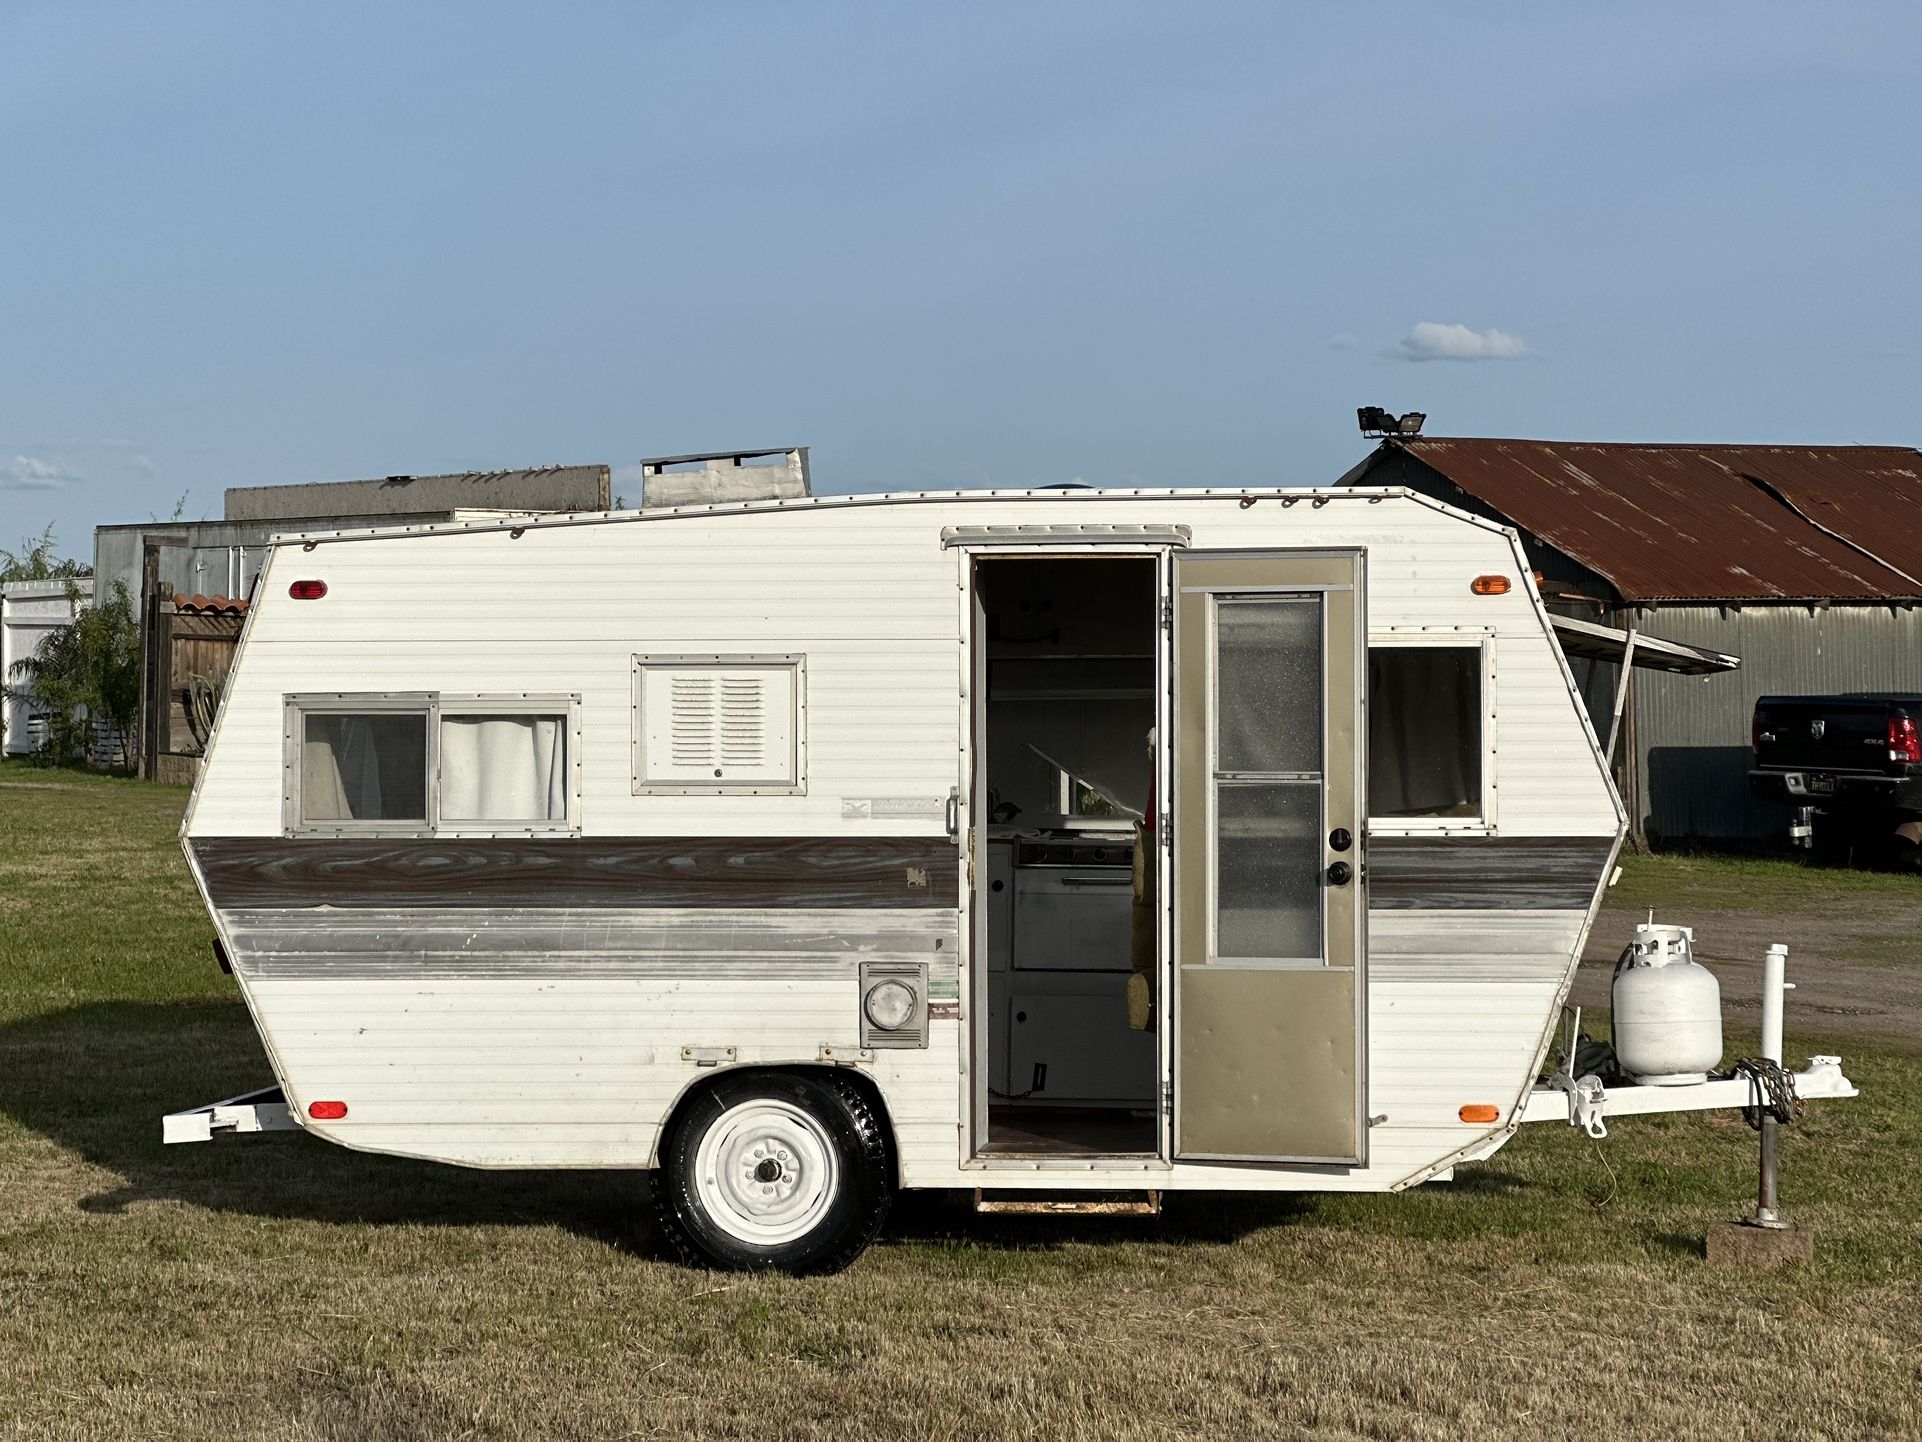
307	590
327	1111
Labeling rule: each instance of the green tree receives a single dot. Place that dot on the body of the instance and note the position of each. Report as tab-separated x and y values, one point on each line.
36	561
88	677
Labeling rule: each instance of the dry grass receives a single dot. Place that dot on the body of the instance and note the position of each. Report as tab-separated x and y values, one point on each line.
277	1287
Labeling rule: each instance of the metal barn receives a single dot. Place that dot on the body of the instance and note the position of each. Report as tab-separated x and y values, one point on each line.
1805	561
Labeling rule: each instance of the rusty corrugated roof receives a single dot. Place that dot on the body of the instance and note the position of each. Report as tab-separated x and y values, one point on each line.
1711	522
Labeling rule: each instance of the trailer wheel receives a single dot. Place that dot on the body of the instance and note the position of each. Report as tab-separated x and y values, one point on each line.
774	1171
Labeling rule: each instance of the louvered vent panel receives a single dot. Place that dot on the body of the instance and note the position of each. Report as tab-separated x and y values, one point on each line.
719	723
691	722
741	713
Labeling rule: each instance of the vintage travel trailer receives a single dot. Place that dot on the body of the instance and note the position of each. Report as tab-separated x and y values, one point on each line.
1040	844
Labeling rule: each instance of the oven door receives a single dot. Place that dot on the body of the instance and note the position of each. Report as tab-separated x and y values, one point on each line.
1073	918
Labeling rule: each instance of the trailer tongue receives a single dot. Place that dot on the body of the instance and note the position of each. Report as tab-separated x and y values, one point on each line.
265	1110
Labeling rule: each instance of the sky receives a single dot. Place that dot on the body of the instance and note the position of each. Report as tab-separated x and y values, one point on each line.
943	245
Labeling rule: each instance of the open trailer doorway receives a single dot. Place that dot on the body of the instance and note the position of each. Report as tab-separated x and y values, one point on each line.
1066	651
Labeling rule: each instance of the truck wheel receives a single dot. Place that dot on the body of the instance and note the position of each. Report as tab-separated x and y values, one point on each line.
774	1171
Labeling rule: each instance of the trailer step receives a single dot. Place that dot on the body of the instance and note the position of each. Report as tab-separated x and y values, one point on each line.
1058	1204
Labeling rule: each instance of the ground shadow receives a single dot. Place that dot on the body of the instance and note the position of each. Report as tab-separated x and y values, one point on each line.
1682	1244
97	1078
948	1217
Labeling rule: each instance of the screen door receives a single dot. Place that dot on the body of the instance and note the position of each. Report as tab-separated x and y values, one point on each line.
1268	878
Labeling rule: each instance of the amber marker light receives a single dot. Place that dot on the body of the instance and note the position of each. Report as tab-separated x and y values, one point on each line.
328	1111
1490	585
312	590
1480	1112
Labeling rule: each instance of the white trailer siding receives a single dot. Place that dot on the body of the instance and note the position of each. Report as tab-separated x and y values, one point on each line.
496	1037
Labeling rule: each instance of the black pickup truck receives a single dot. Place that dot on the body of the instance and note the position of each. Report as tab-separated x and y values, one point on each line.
1851	766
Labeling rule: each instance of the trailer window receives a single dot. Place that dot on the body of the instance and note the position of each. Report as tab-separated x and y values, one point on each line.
1425	732
510	768
363	766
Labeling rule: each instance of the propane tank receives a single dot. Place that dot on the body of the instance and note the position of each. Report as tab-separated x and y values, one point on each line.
1668	1010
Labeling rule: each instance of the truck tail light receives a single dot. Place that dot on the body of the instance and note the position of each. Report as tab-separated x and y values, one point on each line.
1904	744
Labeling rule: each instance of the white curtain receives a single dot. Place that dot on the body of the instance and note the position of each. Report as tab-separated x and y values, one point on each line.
502	768
340	769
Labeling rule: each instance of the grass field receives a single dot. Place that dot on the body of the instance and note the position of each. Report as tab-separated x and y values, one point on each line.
279	1287
1681	880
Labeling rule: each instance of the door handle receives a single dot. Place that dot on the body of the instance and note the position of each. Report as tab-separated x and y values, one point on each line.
951	813
1340	874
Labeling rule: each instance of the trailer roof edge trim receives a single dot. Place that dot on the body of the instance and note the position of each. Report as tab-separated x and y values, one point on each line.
1287	496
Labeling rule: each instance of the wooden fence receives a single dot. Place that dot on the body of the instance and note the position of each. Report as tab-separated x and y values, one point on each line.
188	655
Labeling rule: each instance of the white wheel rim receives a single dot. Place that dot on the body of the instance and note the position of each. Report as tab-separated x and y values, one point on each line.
766	1172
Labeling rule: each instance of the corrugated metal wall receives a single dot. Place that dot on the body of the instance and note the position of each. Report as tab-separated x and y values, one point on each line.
1692	733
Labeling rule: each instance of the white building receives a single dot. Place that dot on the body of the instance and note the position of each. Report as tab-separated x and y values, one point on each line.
30	611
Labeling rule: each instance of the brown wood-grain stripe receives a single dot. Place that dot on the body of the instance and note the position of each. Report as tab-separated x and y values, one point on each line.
1506	873
806	872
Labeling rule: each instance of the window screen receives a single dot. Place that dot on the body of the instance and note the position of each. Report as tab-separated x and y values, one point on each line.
1268	777
503	768
1425	731
363	767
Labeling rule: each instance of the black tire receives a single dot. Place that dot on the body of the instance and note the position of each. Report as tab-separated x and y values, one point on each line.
706	1221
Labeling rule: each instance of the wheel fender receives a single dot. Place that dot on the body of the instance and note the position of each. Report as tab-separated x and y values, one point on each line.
692	1088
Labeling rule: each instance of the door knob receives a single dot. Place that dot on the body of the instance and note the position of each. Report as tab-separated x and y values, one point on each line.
1340	839
1340	873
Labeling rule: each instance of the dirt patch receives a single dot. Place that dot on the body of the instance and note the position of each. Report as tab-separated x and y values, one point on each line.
1857	971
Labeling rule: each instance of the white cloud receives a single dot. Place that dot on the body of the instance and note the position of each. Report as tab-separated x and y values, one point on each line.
1431	341
1344	341
33	473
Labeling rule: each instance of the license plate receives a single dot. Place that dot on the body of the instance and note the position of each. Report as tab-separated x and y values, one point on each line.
1820	783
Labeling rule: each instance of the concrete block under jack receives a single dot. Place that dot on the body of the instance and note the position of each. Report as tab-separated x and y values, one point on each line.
1743	1244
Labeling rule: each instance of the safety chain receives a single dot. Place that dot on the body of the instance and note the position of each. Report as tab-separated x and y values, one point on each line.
1773	1089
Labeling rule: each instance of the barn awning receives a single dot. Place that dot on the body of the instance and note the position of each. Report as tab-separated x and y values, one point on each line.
1596	642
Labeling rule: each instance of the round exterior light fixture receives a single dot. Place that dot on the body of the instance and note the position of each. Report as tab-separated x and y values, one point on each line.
889	1005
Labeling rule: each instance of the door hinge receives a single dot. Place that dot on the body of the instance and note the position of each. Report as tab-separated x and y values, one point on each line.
1167	613
1167	829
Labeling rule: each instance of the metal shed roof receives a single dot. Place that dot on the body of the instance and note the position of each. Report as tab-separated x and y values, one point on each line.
1708	522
